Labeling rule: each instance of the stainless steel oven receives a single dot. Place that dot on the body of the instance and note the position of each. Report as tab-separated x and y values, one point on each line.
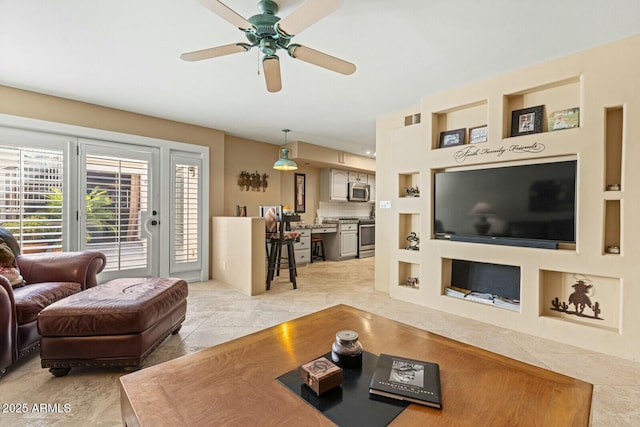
366	238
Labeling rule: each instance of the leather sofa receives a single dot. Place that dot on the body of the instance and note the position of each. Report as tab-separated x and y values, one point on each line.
48	277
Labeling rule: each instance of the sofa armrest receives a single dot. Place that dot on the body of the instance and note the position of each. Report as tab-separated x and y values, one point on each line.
80	267
7	324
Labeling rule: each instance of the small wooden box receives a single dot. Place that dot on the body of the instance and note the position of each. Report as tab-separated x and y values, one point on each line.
321	375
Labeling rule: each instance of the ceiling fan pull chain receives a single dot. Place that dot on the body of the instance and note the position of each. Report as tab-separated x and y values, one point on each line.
258	62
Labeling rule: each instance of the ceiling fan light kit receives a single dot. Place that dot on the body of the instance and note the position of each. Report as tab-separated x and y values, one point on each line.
269	33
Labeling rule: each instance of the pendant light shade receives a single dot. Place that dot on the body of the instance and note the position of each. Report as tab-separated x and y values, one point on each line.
284	163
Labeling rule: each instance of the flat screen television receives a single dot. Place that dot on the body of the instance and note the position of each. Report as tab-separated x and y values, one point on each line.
535	203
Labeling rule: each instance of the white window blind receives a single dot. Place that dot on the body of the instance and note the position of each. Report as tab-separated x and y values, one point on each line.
31	195
115	198
186	214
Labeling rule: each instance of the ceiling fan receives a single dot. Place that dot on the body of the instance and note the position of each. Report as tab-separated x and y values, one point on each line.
269	33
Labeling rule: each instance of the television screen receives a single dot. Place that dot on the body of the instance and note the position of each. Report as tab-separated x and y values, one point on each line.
535	201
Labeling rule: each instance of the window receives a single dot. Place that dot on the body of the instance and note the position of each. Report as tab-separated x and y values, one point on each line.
186	213
116	196
31	196
139	200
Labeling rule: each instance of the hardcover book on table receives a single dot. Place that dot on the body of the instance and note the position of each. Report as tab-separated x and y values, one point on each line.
407	379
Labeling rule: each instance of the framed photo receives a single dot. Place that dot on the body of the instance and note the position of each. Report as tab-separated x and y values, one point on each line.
452	137
299	191
478	134
564	119
527	121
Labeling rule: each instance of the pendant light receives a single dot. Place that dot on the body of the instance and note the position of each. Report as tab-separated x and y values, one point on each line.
284	163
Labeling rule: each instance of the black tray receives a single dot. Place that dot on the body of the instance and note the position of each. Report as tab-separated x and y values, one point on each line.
348	404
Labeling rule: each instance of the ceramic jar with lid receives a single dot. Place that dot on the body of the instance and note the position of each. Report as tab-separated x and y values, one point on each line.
346	351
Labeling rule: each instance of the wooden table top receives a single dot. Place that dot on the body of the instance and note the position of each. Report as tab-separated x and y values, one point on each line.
235	383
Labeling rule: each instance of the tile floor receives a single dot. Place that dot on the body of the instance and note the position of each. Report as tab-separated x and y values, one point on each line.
218	313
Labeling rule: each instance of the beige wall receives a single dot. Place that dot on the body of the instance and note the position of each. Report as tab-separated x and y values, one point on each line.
251	156
50	108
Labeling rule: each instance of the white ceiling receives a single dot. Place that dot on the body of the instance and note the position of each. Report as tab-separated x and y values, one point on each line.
125	54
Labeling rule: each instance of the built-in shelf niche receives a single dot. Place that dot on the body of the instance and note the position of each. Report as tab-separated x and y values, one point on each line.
408	223
501	281
463	117
614	124
556	96
561	291
408	271
408	181
612	221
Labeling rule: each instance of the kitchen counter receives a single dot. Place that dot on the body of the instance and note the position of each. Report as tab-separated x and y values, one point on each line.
314	226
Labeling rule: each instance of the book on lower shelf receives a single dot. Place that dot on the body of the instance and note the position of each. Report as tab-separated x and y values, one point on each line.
508	303
455	291
484	298
412	380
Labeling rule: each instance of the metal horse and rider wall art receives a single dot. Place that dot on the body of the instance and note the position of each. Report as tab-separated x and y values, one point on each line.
580	299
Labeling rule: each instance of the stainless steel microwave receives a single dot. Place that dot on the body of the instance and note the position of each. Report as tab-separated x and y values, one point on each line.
358	192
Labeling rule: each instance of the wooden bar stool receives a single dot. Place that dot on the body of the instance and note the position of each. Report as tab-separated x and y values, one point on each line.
276	238
317	248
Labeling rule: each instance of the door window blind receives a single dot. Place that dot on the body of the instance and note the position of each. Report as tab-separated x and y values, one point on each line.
31	197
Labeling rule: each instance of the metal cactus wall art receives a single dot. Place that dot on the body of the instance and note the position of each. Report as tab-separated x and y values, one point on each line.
580	299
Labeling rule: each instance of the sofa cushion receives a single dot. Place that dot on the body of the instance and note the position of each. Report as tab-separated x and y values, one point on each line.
121	306
32	299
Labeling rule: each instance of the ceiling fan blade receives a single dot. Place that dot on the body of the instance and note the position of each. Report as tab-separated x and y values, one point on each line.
226	13
320	59
307	14
214	52
271	65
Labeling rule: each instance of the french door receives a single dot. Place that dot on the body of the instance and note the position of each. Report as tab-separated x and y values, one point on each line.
118	206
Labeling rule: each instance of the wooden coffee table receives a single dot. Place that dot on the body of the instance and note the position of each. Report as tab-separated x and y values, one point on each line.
235	383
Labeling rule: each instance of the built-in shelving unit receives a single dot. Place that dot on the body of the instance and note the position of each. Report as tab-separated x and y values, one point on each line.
409	275
572	297
465	116
408	223
614	119
598	268
408	181
554	96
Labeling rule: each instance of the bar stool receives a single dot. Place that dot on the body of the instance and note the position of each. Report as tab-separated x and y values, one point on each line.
317	248
276	238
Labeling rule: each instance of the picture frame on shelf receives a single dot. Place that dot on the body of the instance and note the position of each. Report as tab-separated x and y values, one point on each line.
527	121
450	138
478	134
299	190
564	119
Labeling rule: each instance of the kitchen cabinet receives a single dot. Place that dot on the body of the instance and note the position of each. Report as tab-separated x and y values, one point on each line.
333	185
348	240
301	248
324	230
358	177
371	180
343	244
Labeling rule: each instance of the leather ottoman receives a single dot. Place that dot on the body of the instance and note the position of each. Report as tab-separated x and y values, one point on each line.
118	323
